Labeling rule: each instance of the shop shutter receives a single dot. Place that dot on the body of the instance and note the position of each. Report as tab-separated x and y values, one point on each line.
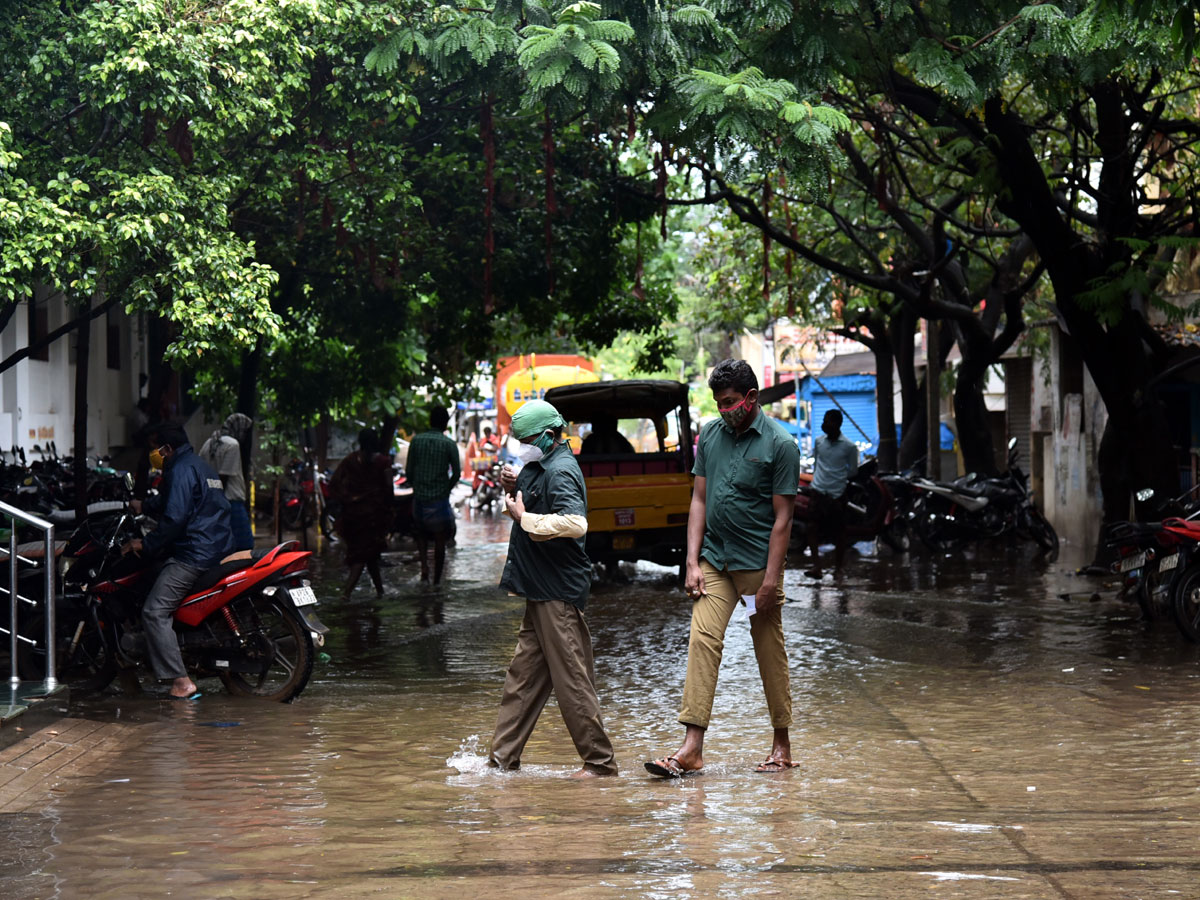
860	405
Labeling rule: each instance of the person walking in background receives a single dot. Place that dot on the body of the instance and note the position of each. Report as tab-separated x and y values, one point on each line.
433	467
835	461
490	443
362	484
739	525
223	451
548	566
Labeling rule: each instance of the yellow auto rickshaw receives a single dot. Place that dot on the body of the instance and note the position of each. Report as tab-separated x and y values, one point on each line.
634	441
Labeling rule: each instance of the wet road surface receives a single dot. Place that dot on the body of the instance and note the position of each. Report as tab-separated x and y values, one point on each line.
963	731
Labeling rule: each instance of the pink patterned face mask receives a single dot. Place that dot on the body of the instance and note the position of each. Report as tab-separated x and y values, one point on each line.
736	414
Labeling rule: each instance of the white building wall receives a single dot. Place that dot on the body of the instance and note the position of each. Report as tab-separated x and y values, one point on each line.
37	397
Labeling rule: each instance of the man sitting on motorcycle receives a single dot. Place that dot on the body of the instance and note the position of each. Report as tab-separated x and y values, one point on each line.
194	528
835	461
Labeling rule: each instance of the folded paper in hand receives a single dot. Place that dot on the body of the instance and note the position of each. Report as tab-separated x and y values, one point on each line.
749	609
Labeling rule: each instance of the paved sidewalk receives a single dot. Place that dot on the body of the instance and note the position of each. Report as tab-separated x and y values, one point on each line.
35	768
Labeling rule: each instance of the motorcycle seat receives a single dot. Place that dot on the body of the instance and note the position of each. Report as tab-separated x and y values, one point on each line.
969	491
211	576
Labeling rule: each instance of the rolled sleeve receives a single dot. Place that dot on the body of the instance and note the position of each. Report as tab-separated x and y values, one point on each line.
545	526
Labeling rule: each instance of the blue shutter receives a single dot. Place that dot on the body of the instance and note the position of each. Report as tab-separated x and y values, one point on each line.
860	406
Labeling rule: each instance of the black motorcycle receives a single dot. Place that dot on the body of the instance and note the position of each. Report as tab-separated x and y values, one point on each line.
947	515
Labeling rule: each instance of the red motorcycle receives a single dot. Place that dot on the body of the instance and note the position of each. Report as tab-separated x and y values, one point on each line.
249	621
1159	566
871	512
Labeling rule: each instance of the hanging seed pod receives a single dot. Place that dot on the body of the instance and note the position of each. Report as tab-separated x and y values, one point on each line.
488	133
551	203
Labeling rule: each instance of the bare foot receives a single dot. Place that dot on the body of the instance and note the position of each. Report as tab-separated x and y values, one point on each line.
183	687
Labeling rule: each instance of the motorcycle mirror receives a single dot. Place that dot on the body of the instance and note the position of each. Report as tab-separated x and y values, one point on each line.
1012	443
1144	494
128	481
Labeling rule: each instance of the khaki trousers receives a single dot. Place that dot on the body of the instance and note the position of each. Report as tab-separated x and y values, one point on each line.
554	653
710	617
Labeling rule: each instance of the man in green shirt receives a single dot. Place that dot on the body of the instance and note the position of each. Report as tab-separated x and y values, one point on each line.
739	525
547	566
432	469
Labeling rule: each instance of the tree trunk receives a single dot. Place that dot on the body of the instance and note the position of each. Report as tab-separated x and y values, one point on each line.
970	417
933	402
83	346
156	389
247	402
913	437
887	451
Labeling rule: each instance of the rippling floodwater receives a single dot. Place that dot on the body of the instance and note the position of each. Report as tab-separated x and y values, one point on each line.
963	731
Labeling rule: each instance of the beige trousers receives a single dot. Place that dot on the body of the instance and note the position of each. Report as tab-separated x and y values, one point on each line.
710	617
554	653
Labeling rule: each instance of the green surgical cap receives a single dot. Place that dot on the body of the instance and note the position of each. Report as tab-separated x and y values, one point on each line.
534	417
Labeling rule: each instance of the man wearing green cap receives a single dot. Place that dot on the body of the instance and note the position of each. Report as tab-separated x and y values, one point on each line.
547	566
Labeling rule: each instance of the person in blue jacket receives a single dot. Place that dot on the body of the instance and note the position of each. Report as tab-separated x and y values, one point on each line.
193	530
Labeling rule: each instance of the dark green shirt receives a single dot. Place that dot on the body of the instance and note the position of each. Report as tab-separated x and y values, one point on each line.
743	472
433	466
557	569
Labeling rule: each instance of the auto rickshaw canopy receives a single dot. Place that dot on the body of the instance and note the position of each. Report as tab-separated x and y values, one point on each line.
633	399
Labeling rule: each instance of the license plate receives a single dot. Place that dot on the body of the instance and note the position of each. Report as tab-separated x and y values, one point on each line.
622	541
302	596
1133	562
1168	562
623	518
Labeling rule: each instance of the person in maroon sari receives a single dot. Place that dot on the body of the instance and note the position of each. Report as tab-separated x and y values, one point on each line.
362	484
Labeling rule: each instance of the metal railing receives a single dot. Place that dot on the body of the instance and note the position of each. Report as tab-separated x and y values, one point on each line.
14	594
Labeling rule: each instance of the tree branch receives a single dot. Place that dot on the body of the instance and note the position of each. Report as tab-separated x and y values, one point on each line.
13	358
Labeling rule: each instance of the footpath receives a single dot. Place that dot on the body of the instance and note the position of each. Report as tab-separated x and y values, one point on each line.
40	763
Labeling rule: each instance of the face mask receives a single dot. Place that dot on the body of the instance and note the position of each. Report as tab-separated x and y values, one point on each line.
545	442
735	415
529	453
156	459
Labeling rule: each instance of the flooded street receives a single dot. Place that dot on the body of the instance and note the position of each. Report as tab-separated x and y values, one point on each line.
963	729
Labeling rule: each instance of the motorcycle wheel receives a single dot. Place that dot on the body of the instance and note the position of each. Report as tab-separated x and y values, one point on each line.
936	538
895	535
87	667
1044	535
1153	597
293	515
278	637
1186	603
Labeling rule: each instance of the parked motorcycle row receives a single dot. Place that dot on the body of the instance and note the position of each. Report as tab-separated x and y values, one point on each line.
945	516
251	621
1158	563
46	486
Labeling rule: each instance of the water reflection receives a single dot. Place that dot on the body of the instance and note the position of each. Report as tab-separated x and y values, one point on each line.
928	702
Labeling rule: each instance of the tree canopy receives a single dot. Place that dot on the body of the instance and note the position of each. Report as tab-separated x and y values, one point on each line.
410	187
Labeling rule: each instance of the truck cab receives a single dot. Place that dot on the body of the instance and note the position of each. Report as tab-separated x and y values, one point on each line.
639	481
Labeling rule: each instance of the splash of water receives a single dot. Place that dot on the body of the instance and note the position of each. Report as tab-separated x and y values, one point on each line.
469	758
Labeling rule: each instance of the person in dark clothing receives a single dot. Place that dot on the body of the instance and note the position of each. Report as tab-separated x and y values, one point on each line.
548	566
835	462
605	438
193	530
362	484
